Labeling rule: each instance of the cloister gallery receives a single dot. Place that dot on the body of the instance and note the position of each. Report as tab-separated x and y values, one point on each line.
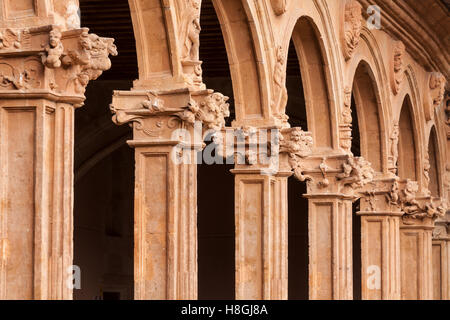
347	99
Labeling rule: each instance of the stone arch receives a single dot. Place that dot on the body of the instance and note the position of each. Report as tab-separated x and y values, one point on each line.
244	51
409	96
155	41
408	143
370	116
316	80
368	53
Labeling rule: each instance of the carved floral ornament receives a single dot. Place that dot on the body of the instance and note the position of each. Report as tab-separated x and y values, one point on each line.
352	27
406	199
71	58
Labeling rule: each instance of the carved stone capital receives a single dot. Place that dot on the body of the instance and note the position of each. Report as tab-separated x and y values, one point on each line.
357	172
352	27
297	144
158	114
48	60
415	207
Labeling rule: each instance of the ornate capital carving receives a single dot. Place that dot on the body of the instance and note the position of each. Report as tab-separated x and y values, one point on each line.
211	111
152	113
398	66
352	27
298	145
357	172
279	6
46	58
413	208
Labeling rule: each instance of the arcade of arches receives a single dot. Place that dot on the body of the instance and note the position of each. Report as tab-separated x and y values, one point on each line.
93	97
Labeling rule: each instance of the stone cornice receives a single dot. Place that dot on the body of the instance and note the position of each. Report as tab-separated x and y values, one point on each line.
404	23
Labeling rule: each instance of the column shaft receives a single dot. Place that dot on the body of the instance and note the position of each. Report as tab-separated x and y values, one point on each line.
416	262
261	236
36	195
330	247
165	225
380	256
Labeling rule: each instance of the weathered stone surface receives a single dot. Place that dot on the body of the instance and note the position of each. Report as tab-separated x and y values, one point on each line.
395	78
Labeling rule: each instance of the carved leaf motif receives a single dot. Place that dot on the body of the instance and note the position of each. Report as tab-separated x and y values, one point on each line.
352	27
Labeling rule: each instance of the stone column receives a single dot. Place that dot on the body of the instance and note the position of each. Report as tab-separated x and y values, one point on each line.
441	261
331	193
416	229
166	145
380	241
416	259
43	73
330	247
261	236
261	209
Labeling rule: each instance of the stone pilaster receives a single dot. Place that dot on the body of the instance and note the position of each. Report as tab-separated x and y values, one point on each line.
261	217
332	188
416	229
441	261
380	241
43	75
166	145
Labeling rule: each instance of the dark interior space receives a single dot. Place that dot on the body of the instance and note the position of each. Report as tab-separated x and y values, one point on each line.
356	226
104	167
216	232
356	219
296	106
297	205
298	284
215	200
